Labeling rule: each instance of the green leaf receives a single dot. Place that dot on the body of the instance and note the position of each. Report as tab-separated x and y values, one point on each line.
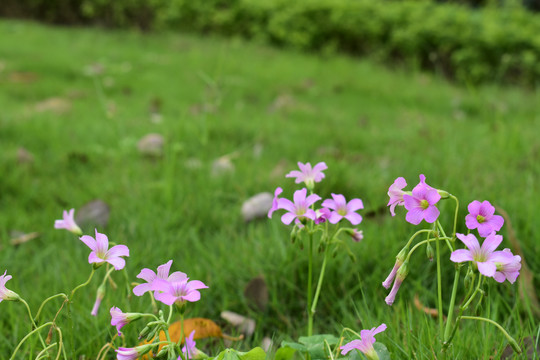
254	354
381	351
284	353
318	339
295	346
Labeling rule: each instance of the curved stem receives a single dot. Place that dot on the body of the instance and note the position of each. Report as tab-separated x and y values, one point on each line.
415	235
42	352
170	314
32	320
422	243
36	318
82	285
319	283
513	342
26	337
60	343
455	215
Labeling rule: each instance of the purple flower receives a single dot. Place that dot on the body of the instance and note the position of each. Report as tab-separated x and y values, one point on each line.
99	297
421	204
322	215
275	202
162	273
365	344
357	235
390	279
401	274
68	222
170	292
481	216
508	266
101	252
308	175
342	209
6	294
127	353
396	193
484	257
120	319
300	209
189	350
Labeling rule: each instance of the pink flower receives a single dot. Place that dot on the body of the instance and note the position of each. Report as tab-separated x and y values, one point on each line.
481	216
177	291
322	215
508	266
396	193
421	204
357	235
365	344
401	274
127	353
275	202
99	297
342	209
68	222
484	257
120	319
189	350
390	279
6	294
300	209
162	273
308	175
101	252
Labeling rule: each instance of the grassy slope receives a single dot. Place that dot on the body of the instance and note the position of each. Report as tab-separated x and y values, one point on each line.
369	125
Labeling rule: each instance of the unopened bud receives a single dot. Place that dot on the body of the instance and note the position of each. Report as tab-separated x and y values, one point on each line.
403	271
294	234
322	246
429	252
444	194
469	278
402	255
152	333
144	332
99	296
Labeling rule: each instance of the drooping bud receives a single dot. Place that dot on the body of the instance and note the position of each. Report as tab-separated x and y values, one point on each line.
99	297
400	276
429	251
444	194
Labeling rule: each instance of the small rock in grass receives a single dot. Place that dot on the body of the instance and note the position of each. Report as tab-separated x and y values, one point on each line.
244	324
24	156
257	206
222	166
95	213
151	145
256	293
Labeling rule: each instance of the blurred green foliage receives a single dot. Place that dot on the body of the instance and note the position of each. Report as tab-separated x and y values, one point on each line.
488	44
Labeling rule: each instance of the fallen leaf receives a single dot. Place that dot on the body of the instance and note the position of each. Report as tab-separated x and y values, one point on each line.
430	311
56	105
21	239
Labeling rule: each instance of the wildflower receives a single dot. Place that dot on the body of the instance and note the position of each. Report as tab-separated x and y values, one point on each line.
421	204
300	209
101	252
189	350
483	257
481	217
99	297
400	276
308	175
400	258
342	209
170	292
275	202
6	294
68	222
120	319
356	235
396	193
365	344
162	273
508	266
322	215
132	353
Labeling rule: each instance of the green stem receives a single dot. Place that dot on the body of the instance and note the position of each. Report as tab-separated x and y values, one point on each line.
452	304
439	288
32	320
319	283
455	215
42	352
513	342
82	285
422	243
415	235
310	285
36	318
170	314
26	337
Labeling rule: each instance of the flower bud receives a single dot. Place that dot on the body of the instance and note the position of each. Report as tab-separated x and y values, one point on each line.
99	296
355	234
144	332
402	255
429	252
469	278
294	234
444	194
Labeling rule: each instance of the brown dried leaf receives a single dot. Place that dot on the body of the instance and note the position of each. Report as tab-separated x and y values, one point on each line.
56	105
431	312
24	238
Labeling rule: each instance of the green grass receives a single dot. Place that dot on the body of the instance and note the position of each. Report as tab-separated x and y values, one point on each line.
370	125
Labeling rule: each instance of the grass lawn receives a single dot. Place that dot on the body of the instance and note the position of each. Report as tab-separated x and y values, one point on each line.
79	100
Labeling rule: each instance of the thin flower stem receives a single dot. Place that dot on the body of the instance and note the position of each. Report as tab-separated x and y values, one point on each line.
310	285
439	288
32	320
170	314
422	243
26	337
455	215
36	318
513	342
439	226
416	234
60	343
82	285
452	304
319	283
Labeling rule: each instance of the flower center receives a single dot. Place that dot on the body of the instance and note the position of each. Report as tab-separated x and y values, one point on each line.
342	212
480	219
424	204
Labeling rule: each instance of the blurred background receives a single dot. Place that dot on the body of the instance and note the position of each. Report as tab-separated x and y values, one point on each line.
157	120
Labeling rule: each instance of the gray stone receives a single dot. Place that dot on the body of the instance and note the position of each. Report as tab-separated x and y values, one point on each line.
93	214
257	206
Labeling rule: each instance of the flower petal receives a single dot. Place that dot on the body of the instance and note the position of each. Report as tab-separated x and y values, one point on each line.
163	270
89	241
355	204
431	214
461	255
415	216
118	262
118	250
491	243
487	268
147	275
470	241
